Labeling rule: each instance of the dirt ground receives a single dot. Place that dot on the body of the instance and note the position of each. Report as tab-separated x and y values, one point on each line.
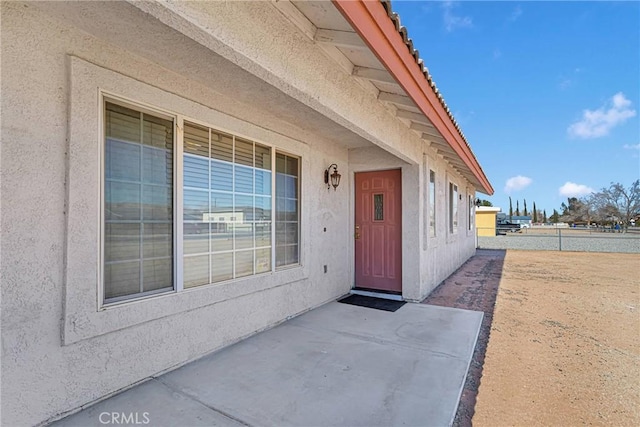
564	344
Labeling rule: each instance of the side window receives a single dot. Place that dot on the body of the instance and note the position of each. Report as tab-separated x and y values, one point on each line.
138	203
470	212
432	203
453	208
287	210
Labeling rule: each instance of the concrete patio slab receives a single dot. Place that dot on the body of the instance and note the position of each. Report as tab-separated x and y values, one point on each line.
338	365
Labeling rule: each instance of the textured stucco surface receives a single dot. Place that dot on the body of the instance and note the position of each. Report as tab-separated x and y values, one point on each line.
59	349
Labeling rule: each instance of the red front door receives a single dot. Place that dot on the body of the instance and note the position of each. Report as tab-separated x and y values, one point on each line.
378	230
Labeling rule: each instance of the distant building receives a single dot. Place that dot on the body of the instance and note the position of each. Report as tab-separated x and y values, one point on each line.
486	220
516	219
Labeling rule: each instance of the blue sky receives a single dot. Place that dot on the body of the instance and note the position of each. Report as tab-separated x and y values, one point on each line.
547	93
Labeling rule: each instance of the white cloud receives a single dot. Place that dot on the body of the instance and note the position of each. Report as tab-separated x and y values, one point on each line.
597	123
631	146
517	12
453	21
565	83
571	189
517	183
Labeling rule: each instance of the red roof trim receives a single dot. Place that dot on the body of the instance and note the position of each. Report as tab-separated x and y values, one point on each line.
370	20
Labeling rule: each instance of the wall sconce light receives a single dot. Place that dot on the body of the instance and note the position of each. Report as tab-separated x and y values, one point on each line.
334	177
478	203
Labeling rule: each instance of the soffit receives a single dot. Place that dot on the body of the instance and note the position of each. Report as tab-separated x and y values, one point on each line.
325	24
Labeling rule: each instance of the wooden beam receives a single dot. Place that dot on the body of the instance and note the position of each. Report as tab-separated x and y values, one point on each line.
296	17
436	140
443	150
346	39
396	99
416	117
427	130
373	74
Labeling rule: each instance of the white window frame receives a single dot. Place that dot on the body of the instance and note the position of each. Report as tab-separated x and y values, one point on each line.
178	121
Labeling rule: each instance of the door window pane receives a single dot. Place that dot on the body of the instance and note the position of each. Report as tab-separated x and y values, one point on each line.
378	207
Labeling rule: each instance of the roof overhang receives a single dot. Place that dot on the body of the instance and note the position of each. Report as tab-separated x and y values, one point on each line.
481	209
372	22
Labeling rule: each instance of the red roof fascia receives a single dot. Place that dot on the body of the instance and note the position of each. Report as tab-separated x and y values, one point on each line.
370	20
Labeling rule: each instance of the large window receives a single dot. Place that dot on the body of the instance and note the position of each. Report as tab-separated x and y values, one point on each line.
432	203
453	208
227	228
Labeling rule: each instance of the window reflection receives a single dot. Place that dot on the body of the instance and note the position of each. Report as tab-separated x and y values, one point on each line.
227	205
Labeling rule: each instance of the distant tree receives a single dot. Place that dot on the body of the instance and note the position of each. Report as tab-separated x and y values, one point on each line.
555	217
575	210
510	208
617	203
525	213
485	203
535	213
517	208
544	216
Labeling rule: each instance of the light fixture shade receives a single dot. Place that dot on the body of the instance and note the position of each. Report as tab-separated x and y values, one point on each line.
335	179
332	179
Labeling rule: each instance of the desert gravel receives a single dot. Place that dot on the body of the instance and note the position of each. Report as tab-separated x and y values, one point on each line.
564	347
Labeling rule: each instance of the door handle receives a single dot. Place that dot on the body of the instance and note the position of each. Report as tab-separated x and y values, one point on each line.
357	233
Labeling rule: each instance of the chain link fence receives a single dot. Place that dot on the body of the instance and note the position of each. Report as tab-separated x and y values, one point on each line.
540	238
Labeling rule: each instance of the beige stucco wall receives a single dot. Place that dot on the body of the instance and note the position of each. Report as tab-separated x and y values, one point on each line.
59	350
445	252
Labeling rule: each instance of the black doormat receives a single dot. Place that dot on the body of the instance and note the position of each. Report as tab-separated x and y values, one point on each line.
371	302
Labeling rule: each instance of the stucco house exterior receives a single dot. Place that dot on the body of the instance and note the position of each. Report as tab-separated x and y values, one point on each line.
163	182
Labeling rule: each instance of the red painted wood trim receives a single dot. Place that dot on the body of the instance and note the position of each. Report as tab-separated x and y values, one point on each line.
370	20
